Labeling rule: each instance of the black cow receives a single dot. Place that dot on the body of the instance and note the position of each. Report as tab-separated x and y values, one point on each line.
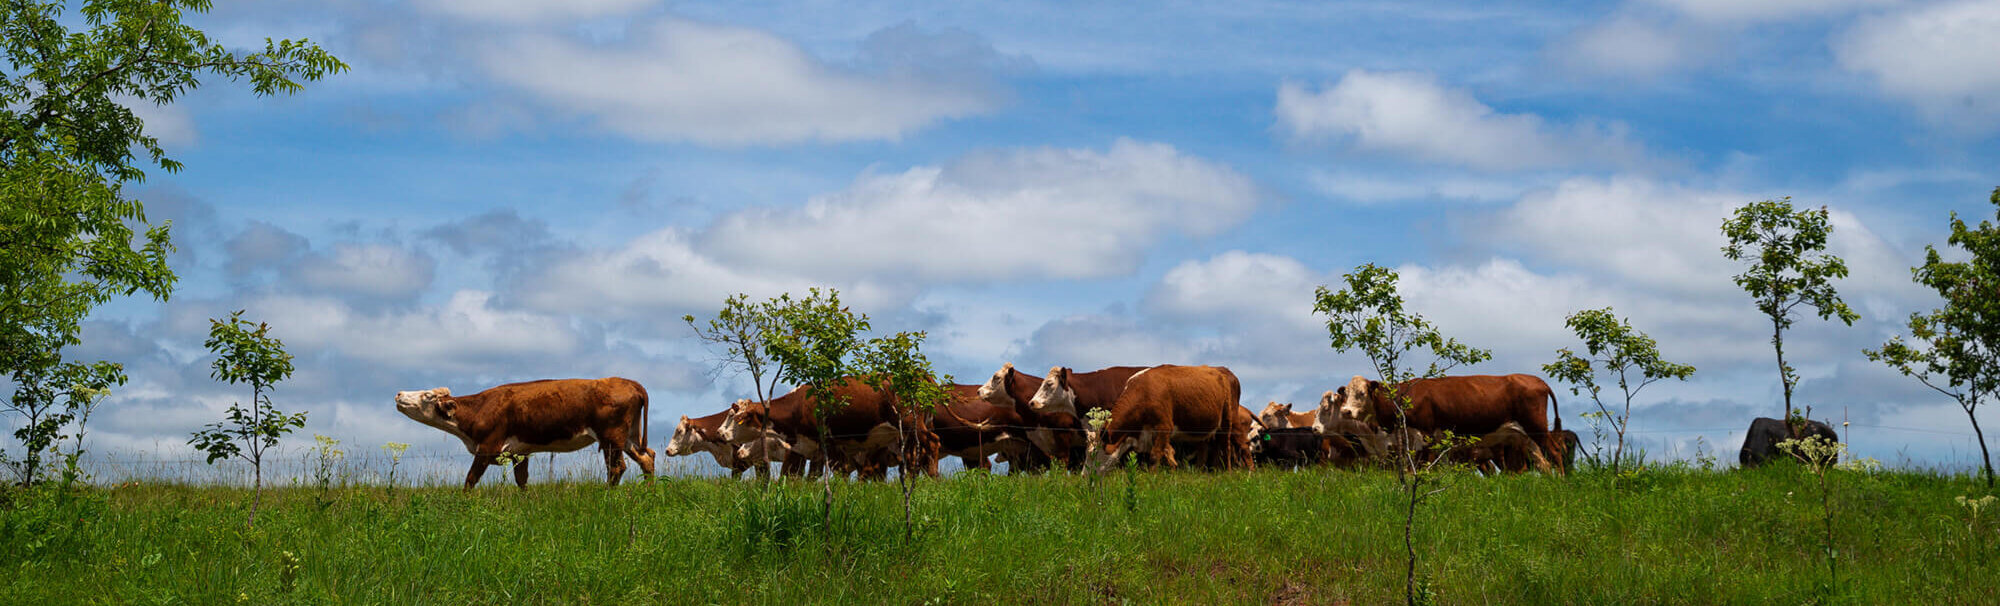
1292	447
1761	444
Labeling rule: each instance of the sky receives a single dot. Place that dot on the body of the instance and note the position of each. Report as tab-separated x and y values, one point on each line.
505	190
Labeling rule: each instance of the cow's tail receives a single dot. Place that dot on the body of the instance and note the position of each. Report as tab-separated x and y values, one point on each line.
1555	412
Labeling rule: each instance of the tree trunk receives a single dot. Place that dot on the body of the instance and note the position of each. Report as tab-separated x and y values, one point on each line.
1409	546
1984	455
1784	376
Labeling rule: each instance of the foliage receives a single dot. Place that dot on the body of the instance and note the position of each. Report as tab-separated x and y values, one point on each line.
1619	351
68	143
247	355
1821	455
897	365
1369	315
1789	267
1957	349
395	450
52	397
741	330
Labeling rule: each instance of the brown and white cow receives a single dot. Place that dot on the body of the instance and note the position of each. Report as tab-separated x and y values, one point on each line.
1160	406
974	428
554	415
1280	416
1058	404
1508	449
703	434
1465	405
854	435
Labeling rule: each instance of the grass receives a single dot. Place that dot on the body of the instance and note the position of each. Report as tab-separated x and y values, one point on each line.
1668	536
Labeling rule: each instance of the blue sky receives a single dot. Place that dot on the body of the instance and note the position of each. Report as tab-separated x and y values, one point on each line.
504	190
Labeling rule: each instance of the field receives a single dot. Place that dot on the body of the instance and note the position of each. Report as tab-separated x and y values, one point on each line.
1678	535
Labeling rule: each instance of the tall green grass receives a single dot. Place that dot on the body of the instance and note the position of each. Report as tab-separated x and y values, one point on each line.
1668	536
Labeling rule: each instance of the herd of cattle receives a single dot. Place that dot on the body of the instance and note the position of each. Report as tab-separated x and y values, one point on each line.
1163	415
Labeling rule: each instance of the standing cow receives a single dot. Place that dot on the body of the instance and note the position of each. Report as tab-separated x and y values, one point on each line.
704	434
554	415
1164	405
1057	406
1465	405
861	435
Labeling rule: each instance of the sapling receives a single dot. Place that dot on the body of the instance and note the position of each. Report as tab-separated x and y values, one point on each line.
247	355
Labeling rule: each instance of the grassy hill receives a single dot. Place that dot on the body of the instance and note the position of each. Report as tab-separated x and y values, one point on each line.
1671	536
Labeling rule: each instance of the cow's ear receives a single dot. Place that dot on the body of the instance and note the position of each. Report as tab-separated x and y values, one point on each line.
445	408
1063	378
442	392
1374	386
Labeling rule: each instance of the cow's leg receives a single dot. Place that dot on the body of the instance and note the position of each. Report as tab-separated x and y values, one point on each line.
521	472
479	463
1163	447
614	462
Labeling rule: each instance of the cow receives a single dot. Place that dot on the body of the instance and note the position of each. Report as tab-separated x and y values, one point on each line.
1191	405
1761	443
856	432
1464	405
1280	416
1354	441
1508	449
1057	405
973	428
553	415
1293	447
703	434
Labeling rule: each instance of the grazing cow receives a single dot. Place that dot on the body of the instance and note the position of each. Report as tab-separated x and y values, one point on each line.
1280	416
1465	405
974	428
703	434
1354	441
1293	447
854	434
555	415
1058	405
1761	443
1192	405
1569	442
1507	449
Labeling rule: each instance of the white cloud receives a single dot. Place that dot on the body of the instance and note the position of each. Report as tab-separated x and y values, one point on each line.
1411	114
1938	57
1375	187
1626	46
533	11
679	80
1026	213
1750	11
1237	282
371	270
466	332
652	274
170	123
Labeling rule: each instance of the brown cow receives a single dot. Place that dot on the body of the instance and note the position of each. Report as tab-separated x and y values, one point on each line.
856	431
1508	449
703	434
1059	404
973	428
1464	405
554	415
1192	405
1280	416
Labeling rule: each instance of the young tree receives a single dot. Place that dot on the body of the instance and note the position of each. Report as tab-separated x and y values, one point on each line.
897	365
246	355
1368	315
68	138
814	342
1619	351
50	397
1789	267
1958	349
741	331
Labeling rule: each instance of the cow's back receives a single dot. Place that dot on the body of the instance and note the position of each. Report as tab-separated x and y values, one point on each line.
1099	389
1194	400
1473	404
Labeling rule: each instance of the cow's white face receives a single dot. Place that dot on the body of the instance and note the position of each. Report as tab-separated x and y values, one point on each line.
1358	400
428	406
995	390
742	422
1054	395
1256	429
686	439
1276	416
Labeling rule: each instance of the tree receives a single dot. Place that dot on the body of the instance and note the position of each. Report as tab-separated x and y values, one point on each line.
897	365
1369	315
246	355
1619	351
1789	267
1958	345
741	331
814	341
68	143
